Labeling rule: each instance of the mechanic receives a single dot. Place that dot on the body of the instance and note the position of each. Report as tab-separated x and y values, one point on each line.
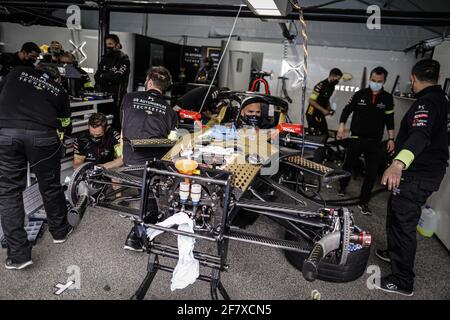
29	129
417	171
101	145
146	115
319	102
85	83
193	99
112	77
373	110
206	74
27	56
56	51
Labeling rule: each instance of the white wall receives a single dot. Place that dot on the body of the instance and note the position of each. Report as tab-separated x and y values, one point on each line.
320	61
442	54
14	35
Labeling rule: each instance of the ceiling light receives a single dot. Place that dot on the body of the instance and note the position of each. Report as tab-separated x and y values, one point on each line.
270	7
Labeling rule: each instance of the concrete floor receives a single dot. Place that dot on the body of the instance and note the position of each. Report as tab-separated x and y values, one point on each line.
256	272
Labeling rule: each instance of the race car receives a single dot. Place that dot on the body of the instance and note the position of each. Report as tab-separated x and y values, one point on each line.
237	172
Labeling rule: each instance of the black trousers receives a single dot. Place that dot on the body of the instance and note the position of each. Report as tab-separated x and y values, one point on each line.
403	214
17	146
372	153
317	125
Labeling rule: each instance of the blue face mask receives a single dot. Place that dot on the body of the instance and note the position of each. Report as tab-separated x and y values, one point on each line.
375	86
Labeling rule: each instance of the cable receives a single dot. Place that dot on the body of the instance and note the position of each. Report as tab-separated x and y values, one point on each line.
305	72
47	158
221	58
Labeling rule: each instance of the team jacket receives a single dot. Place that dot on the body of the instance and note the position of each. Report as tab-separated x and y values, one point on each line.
106	150
371	113
30	99
423	138
9	61
322	93
146	115
113	72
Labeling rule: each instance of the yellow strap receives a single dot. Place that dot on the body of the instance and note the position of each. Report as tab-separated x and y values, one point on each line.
314	95
65	122
88	84
60	135
405	156
389	111
118	150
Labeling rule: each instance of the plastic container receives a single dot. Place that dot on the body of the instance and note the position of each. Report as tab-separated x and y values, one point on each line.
428	222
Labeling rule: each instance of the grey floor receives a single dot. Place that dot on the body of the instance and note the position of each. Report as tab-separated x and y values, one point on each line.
256	272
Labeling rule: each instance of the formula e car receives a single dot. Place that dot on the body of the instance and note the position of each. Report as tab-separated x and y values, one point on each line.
236	173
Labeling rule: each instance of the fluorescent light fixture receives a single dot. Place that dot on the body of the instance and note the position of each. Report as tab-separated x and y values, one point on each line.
263	4
270	7
268	12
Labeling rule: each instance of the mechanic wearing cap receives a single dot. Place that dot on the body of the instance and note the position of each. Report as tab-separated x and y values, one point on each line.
319	102
373	110
417	171
112	77
146	115
29	128
101	145
27	56
206	74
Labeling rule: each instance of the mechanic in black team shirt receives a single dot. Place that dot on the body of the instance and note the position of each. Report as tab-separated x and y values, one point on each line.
33	107
27	56
319	107
319	102
101	145
417	171
373	110
146	115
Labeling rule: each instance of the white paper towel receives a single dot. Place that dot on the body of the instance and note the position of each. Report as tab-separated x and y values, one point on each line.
187	269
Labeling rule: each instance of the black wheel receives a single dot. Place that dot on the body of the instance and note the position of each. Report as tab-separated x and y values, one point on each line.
328	269
76	178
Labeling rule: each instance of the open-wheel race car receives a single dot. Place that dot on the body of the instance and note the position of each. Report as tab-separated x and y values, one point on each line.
236	174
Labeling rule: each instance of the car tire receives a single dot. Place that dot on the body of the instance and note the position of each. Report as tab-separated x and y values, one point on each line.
327	270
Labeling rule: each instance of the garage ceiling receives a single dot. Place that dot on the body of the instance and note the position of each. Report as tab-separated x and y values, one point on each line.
323	33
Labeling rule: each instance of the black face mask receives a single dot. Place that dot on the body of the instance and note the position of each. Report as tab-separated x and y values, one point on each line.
110	51
334	82
96	140
253	121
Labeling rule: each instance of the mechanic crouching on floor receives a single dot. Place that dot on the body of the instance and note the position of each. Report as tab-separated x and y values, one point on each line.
146	115
373	110
101	145
33	107
417	171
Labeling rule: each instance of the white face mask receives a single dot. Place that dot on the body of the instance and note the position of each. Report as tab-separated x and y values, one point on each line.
375	86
